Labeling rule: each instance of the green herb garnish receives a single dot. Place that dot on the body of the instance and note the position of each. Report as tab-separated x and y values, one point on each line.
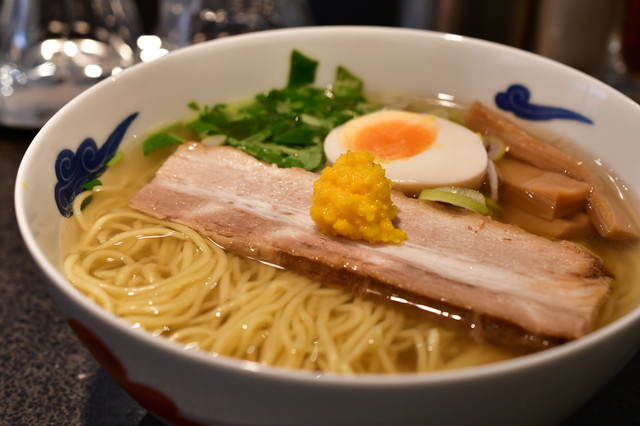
347	85
285	126
302	70
115	159
91	184
160	140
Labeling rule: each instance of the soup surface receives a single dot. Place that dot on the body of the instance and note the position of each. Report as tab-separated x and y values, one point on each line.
171	281
168	279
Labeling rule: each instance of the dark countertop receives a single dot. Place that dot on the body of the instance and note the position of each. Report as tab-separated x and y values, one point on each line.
47	377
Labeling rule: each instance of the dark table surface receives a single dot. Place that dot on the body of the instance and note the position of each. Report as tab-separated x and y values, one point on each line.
48	378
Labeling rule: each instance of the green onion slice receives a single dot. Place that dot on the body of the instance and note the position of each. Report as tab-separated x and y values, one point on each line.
496	148
462	197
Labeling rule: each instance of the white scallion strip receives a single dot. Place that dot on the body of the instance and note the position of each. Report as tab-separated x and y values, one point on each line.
492	177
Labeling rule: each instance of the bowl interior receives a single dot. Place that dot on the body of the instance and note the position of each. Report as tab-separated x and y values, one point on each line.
148	96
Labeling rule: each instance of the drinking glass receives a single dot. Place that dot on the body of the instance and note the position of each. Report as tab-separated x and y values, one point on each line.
51	50
184	22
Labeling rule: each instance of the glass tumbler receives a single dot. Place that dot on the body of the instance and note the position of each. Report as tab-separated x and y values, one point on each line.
51	50
185	22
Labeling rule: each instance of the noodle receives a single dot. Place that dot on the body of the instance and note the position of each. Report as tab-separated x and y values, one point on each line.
171	281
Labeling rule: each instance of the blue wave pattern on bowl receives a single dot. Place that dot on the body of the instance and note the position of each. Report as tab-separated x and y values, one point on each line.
516	100
73	170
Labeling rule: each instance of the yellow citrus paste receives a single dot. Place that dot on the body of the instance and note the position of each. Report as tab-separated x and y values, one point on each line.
352	199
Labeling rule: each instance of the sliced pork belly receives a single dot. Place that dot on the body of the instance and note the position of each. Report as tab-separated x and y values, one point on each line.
462	262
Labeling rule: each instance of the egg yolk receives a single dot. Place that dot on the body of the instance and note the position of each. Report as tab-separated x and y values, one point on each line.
352	199
391	135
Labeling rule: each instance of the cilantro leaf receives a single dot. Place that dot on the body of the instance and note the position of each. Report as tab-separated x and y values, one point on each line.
302	135
160	140
302	70
347	85
308	158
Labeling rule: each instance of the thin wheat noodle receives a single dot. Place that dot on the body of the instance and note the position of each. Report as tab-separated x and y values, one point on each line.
169	280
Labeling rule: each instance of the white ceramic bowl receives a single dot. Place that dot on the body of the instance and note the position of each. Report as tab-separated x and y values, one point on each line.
185	386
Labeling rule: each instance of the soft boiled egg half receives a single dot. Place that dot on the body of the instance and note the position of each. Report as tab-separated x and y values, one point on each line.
417	151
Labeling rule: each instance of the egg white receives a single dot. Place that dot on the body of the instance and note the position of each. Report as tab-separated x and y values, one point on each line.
457	157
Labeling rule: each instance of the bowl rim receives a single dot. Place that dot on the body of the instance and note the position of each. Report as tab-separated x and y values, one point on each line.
214	361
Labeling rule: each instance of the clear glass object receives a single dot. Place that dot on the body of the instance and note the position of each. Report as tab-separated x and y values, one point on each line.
51	50
185	22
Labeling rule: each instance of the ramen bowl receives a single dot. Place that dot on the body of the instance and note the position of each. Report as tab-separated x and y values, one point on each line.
193	387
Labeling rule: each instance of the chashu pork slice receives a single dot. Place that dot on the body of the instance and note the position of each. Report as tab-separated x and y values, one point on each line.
550	291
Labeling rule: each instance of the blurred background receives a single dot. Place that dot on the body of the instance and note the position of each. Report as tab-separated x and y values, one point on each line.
583	34
51	50
599	37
